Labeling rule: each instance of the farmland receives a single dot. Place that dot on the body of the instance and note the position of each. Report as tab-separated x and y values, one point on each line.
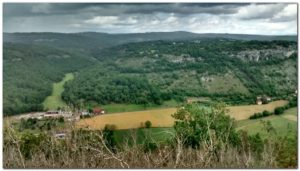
163	118
245	111
128	120
284	125
54	101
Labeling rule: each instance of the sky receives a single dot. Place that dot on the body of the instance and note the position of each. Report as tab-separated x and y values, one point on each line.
239	18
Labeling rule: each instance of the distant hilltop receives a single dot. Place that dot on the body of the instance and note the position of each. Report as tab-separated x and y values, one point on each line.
103	40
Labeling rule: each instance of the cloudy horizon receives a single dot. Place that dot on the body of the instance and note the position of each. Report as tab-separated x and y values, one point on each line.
234	18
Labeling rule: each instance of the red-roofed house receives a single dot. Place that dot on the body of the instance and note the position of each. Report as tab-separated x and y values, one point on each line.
98	111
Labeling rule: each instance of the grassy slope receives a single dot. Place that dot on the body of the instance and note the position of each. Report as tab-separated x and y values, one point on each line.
54	101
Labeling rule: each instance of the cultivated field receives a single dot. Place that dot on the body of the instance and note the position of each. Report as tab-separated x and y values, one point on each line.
245	111
163	118
128	120
284	125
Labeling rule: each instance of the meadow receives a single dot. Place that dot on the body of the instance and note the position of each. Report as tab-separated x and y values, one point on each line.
284	125
119	107
54	101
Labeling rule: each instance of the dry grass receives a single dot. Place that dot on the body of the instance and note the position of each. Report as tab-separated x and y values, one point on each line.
244	112
163	118
128	120
79	152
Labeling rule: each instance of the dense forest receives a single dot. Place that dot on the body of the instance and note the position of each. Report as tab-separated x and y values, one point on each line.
150	72
30	71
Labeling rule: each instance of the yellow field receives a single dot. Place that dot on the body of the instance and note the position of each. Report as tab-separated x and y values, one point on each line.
163	118
127	120
244	112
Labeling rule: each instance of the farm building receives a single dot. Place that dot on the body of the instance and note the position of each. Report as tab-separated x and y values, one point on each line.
266	98
84	113
263	99
98	111
258	102
52	114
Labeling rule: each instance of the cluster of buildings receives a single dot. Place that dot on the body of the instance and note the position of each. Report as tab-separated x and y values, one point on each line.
68	115
95	111
263	99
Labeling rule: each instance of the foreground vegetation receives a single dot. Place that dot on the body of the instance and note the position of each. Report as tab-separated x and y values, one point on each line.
202	139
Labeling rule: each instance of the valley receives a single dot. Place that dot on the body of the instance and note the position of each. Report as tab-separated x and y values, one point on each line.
144	91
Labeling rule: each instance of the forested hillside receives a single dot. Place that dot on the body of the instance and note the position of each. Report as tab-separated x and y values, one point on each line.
175	65
29	72
149	72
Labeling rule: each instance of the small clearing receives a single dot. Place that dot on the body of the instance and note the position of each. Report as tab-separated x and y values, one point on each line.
54	101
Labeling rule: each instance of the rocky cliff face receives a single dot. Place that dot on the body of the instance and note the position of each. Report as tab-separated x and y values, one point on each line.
265	54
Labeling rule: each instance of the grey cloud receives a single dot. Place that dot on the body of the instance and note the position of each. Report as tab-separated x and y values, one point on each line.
264	11
29	9
142	17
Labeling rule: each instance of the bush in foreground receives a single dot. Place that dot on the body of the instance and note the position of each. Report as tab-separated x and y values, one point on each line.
203	139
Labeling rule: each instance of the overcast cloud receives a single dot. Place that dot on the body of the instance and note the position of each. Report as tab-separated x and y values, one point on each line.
269	19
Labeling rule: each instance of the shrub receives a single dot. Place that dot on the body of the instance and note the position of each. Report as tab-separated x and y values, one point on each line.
194	126
278	110
256	144
109	138
150	146
266	113
293	102
29	144
148	124
61	119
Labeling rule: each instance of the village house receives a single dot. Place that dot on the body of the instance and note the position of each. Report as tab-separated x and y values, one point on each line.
98	111
259	102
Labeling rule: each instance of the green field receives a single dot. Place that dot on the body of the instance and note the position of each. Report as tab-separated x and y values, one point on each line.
116	108
54	101
158	135
284	125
